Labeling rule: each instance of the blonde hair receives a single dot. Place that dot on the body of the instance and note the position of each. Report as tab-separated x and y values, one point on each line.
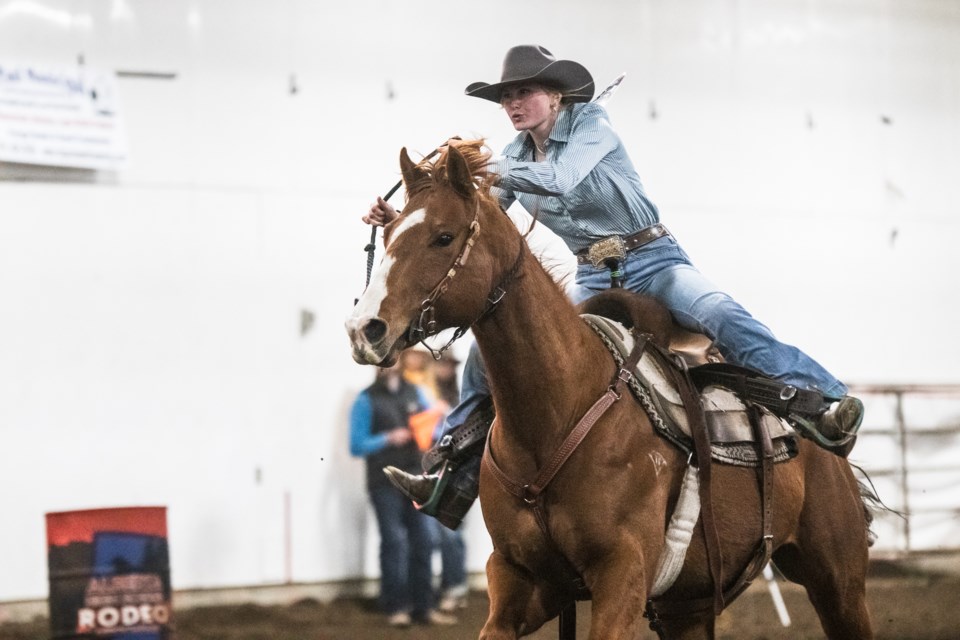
554	92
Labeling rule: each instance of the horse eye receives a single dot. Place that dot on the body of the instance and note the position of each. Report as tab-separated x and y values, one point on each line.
443	240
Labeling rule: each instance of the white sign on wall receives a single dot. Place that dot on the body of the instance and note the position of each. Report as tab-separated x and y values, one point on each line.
64	117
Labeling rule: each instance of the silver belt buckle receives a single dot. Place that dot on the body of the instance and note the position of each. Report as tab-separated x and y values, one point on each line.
602	250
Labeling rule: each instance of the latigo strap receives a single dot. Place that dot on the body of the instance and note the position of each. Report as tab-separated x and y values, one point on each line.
782	399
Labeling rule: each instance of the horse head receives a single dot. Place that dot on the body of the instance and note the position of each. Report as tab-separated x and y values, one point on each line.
434	270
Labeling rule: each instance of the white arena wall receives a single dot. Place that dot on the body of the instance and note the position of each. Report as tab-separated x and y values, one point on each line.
806	154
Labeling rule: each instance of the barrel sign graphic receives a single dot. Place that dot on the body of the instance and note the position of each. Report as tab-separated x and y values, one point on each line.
109	574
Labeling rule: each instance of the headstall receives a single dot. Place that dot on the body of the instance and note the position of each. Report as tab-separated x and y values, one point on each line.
426	325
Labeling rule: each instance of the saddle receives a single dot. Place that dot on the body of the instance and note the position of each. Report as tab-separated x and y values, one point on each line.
717	425
727	413
731	428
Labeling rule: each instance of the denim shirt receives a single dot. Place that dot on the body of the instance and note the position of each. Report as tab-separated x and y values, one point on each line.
587	189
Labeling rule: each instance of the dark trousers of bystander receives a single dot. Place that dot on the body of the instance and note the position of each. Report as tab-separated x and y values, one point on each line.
453	557
405	554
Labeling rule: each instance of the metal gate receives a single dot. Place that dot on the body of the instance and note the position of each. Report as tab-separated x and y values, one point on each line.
910	448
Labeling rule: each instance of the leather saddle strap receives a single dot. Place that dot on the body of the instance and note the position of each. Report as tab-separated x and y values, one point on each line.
456	442
690	397
766	470
573	440
530	493
783	399
511	487
663	610
765	549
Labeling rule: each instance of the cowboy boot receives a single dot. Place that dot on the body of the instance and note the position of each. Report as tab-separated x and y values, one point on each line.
451	480
447	495
835	427
839	425
417	488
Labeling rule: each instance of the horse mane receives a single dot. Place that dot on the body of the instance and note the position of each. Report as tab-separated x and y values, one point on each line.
477	156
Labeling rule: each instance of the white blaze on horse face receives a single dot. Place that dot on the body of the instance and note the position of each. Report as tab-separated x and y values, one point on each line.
409	220
369	304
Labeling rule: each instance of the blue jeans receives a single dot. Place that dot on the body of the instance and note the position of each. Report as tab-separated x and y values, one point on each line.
406	547
663	270
453	556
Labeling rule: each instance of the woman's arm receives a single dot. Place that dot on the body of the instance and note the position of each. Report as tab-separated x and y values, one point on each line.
381	213
591	139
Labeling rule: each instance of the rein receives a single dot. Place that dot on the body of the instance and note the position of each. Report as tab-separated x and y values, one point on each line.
371	246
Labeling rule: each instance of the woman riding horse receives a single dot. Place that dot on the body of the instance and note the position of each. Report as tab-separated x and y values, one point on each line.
580	493
569	169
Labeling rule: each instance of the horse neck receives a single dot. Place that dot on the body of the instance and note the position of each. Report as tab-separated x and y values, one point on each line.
544	365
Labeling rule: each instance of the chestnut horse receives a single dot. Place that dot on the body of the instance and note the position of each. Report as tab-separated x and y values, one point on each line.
454	259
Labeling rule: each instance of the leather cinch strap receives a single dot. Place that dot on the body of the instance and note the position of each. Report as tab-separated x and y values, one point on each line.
701	446
660	610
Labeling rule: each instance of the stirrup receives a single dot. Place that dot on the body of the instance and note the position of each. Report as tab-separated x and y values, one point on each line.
808	429
455	492
432	505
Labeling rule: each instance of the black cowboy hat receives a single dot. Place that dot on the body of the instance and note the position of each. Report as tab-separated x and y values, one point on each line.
533	63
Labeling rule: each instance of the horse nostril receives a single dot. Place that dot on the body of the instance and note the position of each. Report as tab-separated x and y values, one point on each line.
374	331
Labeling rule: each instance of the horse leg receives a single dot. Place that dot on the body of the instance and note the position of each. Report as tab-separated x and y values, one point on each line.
618	590
698	626
829	556
835	585
518	604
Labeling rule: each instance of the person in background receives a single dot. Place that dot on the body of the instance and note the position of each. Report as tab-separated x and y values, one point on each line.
380	433
418	369
453	551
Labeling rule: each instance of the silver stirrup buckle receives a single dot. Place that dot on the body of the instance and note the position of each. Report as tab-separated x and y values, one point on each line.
603	250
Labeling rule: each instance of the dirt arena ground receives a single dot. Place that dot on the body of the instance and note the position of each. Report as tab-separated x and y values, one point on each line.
904	604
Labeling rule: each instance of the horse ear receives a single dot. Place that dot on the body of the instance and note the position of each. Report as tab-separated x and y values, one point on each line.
414	176
458	172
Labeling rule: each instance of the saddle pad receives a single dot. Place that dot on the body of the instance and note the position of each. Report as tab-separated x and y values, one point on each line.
727	418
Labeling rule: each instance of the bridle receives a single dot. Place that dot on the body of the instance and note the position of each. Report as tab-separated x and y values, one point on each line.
425	324
371	247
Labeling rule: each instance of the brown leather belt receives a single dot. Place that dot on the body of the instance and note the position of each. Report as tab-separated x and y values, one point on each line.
629	243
